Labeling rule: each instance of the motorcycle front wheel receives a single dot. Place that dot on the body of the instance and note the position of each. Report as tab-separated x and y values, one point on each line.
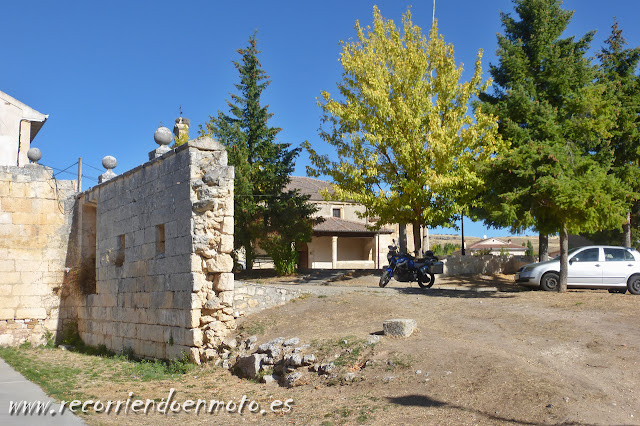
426	281
385	278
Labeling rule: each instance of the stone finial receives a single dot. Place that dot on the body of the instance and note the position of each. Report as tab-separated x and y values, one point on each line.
34	155
163	138
108	163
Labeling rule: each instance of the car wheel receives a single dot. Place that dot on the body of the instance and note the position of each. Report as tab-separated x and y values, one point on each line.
426	281
634	284
385	278
618	290
550	281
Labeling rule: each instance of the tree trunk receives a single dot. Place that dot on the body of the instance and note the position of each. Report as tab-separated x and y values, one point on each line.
417	239
543	247
626	230
249	256
402	236
564	265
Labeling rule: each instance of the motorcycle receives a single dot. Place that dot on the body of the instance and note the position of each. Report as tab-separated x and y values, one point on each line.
406	268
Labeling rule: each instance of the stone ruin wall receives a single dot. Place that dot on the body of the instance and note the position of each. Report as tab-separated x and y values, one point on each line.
35	218
163	238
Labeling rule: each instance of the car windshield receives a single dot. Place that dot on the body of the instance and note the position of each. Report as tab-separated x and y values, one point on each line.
568	253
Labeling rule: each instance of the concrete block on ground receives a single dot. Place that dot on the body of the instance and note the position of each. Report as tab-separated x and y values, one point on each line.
399	327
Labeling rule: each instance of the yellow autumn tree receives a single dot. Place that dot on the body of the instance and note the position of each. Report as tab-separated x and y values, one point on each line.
409	147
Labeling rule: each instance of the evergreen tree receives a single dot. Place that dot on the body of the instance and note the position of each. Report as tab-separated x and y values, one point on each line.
262	168
618	67
556	118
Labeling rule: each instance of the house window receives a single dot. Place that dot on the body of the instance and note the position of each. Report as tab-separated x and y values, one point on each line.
160	239
336	212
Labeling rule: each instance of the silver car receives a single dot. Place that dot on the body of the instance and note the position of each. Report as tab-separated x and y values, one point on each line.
607	267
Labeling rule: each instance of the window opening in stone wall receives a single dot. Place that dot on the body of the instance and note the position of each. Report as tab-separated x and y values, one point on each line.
336	213
121	249
88	273
160	240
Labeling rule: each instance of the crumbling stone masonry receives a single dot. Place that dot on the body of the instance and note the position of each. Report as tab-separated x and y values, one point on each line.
162	235
35	218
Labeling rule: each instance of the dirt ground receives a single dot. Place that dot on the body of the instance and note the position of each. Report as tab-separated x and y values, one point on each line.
486	352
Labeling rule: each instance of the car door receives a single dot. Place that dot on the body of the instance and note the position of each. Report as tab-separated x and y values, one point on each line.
585	268
618	265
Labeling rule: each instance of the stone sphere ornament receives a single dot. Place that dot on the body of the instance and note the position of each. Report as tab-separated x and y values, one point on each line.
34	155
109	162
163	136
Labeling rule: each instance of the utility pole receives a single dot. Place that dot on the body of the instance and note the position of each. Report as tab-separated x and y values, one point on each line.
80	174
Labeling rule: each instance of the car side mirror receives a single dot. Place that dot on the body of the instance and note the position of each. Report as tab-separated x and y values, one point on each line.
570	261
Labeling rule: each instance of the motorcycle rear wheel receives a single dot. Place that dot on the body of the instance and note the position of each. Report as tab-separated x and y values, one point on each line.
384	279
423	283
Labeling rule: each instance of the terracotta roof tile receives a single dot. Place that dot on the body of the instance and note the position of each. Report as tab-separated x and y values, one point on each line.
337	225
309	186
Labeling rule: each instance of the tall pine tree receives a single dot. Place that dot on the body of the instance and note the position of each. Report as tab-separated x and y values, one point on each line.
555	118
262	170
618	66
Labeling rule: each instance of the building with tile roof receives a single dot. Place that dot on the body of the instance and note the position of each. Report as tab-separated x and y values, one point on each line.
345	238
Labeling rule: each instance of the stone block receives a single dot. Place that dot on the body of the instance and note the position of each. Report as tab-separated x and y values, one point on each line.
31	313
250	366
399	327
177	351
16	204
30	289
7	314
226	298
227	225
161	299
5	218
226	244
179	282
194	318
220	263
224	282
182	300
7	266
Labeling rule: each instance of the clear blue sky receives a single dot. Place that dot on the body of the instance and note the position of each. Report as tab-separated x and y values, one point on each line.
109	73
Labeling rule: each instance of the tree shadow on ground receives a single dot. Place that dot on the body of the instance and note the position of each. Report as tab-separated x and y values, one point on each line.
428	402
456	294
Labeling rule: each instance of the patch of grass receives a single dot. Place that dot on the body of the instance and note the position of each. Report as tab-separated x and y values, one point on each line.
87	364
251	328
322	296
303	296
402	361
58	381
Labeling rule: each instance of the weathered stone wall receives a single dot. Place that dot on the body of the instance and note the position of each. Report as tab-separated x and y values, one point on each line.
35	218
488	264
163	238
251	298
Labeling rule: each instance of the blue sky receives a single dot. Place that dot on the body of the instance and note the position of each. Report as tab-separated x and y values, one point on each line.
109	73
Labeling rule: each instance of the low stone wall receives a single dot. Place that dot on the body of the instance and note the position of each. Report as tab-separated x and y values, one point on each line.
35	217
472	265
251	298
